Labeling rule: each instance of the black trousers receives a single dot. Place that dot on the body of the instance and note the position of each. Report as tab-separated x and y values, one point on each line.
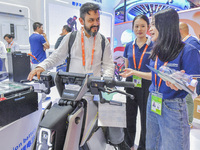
141	96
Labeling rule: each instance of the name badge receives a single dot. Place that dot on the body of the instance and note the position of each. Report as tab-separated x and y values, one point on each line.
8	50
156	102
137	81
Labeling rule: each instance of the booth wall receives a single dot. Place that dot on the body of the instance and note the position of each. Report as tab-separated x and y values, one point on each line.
192	18
39	10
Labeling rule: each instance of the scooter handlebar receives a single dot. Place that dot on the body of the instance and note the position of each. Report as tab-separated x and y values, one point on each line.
93	83
124	84
109	82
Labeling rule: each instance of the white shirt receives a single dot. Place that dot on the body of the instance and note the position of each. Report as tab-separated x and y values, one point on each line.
2	50
13	45
76	65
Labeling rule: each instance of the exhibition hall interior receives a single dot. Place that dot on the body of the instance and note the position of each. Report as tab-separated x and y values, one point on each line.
82	109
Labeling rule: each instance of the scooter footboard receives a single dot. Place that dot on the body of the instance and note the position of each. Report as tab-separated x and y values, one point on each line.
53	128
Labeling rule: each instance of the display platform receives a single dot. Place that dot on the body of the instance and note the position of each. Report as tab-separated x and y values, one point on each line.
16	101
20	134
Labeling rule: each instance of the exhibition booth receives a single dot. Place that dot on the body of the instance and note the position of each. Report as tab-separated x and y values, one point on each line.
20	107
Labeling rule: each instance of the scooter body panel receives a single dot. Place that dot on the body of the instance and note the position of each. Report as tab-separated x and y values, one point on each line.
53	128
90	119
92	135
73	134
97	141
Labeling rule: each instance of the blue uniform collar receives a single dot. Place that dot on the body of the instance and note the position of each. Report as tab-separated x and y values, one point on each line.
148	42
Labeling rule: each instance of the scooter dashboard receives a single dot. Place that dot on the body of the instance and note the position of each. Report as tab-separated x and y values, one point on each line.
71	86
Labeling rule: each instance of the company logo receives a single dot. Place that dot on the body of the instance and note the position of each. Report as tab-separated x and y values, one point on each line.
172	65
76	4
26	142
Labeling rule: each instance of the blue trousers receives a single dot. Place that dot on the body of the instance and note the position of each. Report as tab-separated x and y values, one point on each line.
1	64
170	131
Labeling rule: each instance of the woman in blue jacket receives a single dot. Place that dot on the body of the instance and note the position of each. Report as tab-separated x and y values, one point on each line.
167	128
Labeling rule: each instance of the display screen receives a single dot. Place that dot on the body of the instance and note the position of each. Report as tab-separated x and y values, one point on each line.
147	7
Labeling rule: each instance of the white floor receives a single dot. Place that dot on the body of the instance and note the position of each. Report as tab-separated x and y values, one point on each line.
195	135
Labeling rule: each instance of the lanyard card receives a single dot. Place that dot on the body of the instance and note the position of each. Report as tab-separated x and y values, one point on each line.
137	81
156	102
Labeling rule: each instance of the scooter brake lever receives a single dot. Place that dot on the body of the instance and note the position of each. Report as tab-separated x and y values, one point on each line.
121	92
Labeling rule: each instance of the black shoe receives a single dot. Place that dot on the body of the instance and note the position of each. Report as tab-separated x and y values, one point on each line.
123	146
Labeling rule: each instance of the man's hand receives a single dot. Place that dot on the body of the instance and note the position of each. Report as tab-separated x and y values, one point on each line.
46	45
44	35
37	71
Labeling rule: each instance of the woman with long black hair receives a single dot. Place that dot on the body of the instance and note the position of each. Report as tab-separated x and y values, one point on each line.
167	128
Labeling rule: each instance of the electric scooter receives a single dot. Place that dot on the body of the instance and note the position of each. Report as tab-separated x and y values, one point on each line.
71	124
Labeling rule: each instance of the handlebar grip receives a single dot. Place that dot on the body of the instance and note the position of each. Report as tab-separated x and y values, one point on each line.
124	84
71	74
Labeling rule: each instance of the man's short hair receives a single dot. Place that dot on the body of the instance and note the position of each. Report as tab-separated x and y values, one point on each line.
36	24
67	28
8	36
75	17
85	8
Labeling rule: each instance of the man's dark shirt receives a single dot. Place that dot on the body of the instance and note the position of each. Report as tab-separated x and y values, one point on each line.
58	41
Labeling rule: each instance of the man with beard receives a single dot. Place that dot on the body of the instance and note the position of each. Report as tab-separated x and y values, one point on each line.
85	57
